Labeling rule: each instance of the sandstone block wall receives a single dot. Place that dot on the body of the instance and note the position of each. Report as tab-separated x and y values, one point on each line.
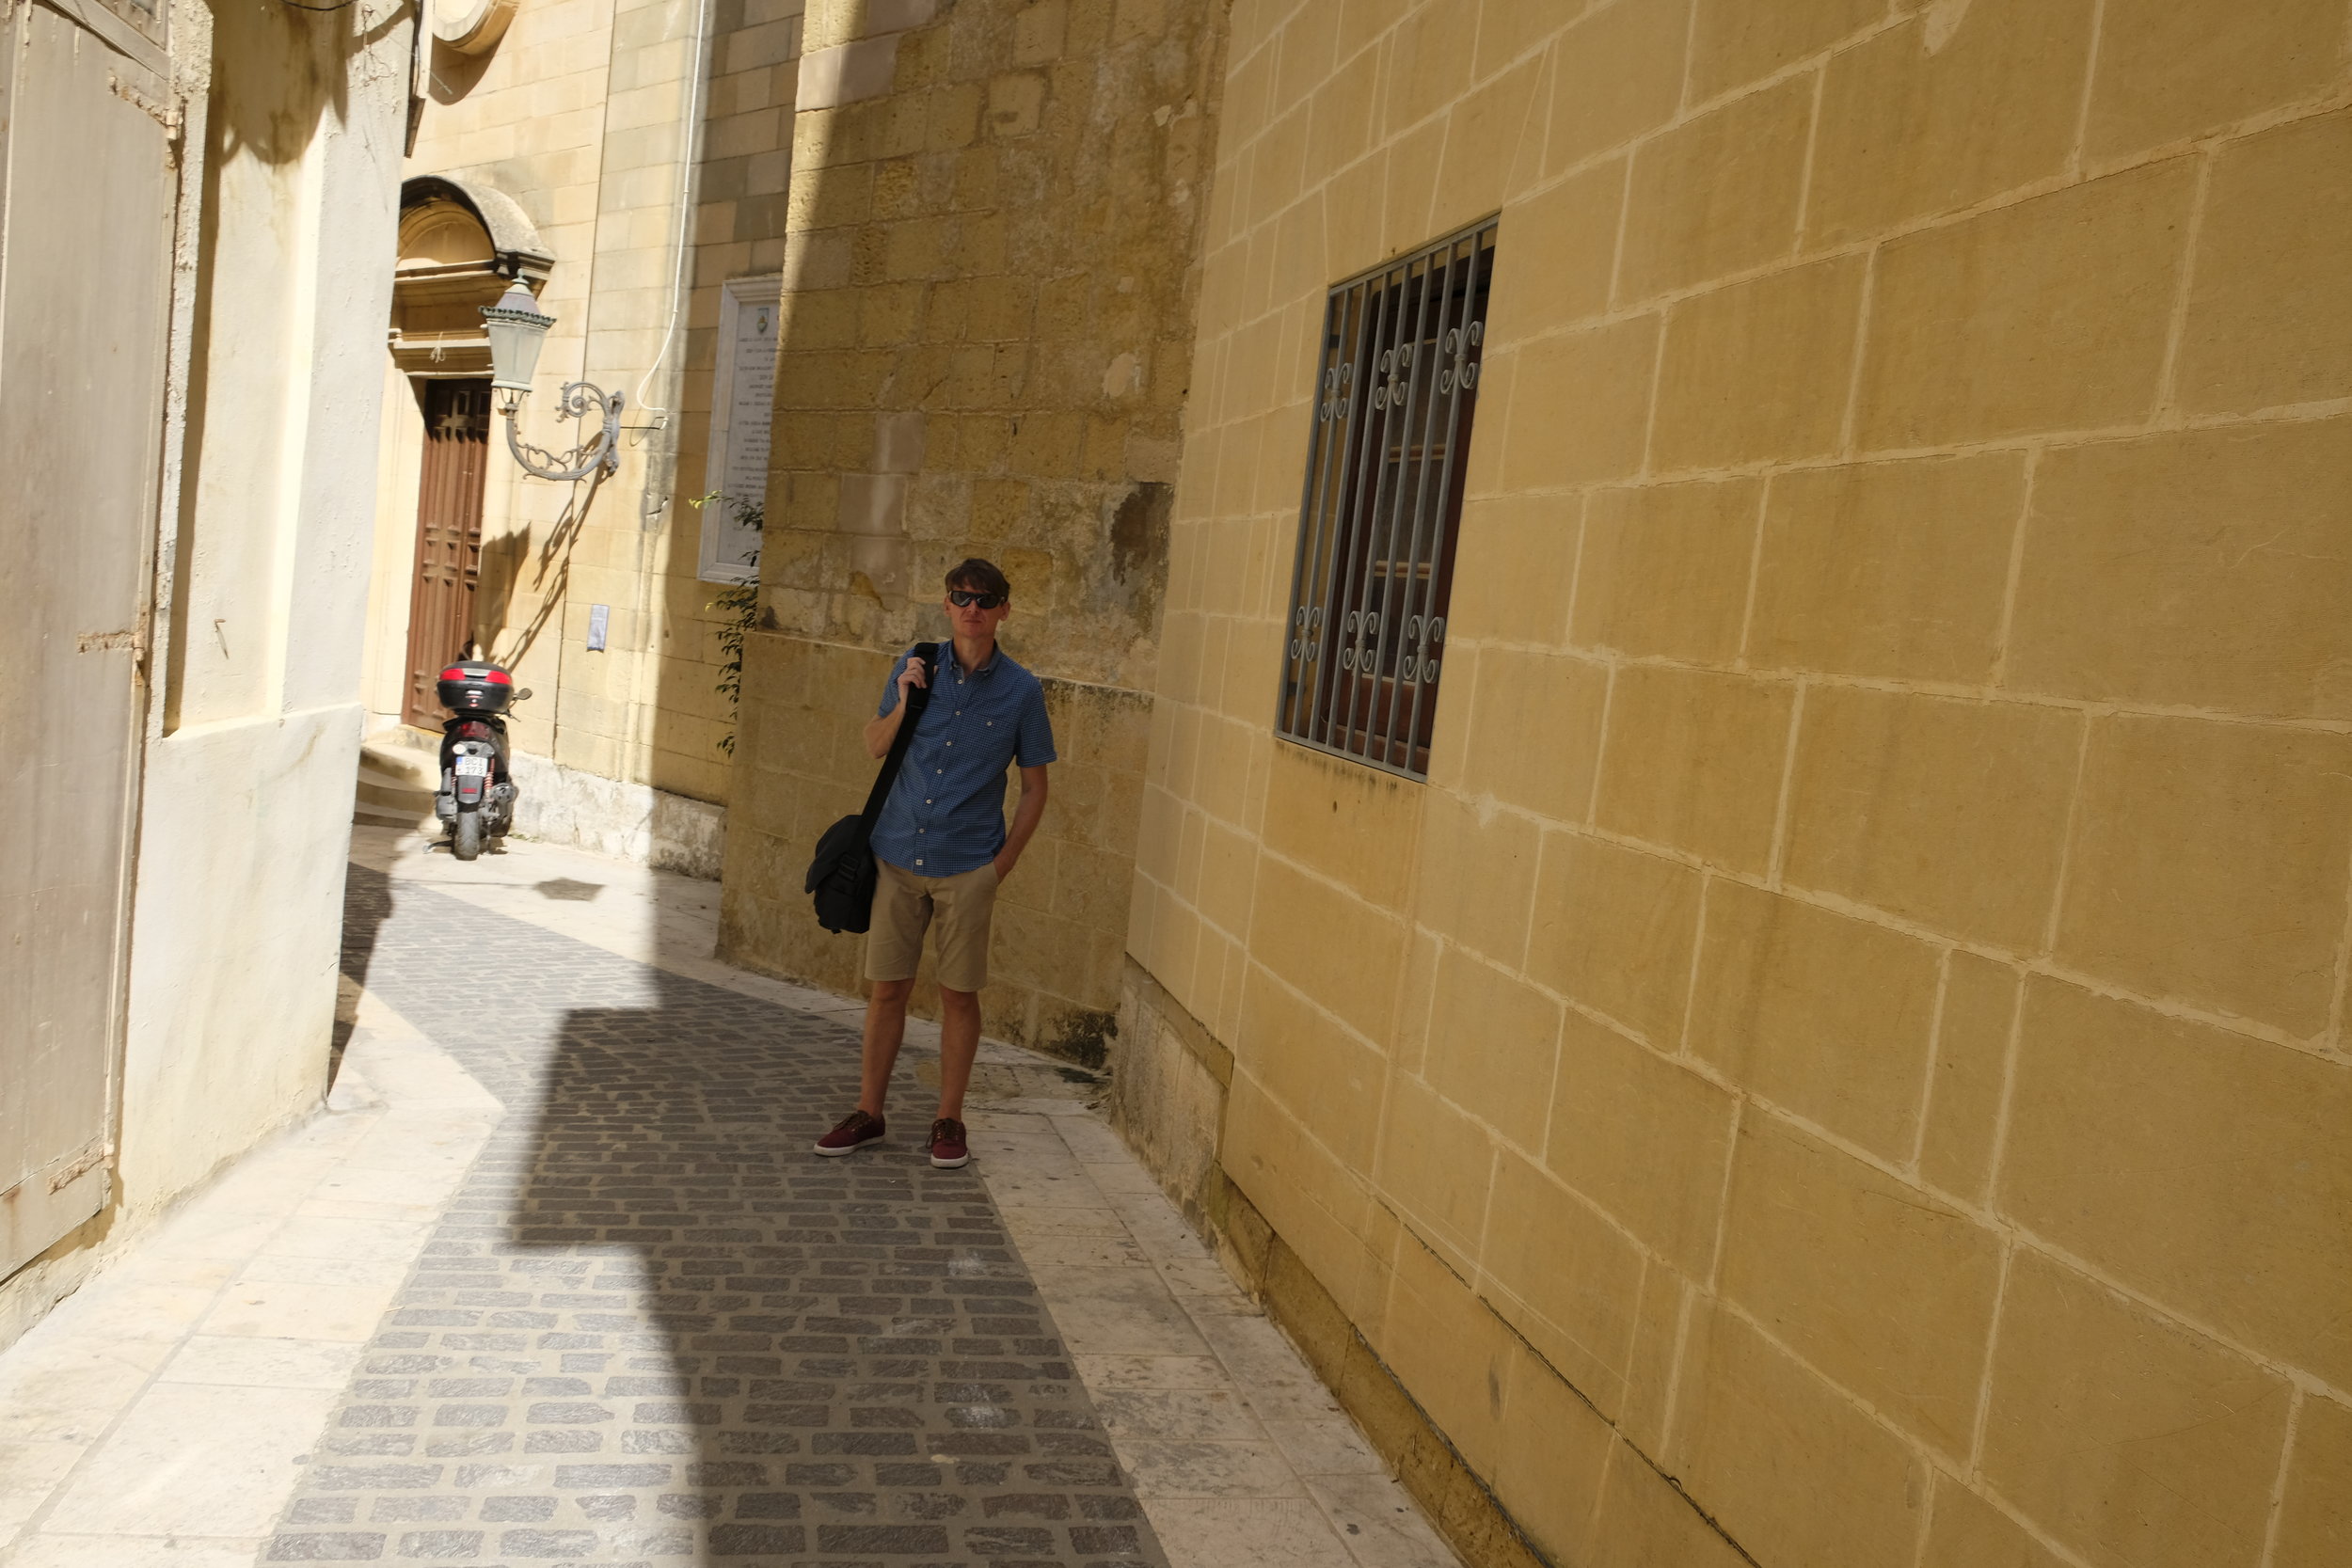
526	117
1843	1061
740	180
624	129
991	250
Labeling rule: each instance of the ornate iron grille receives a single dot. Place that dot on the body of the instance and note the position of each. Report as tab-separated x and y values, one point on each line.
1365	646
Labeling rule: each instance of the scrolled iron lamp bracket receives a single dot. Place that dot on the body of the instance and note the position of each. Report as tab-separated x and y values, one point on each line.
518	327
581	400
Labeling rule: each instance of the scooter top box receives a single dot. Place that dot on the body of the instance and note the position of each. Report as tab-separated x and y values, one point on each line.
474	688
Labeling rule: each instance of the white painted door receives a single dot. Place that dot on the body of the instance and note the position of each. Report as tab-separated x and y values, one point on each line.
87	195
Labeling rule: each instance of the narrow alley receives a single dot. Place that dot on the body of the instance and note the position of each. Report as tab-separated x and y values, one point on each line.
556	1277
1622	728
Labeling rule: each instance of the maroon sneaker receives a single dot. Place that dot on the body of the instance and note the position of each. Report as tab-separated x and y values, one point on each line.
855	1129
947	1146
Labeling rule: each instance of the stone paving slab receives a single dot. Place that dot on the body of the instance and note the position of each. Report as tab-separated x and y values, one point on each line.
651	1328
163	1416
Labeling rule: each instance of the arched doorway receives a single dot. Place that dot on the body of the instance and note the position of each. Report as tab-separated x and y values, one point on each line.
452	262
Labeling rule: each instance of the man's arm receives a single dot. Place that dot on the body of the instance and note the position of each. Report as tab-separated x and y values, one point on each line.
880	731
1024	820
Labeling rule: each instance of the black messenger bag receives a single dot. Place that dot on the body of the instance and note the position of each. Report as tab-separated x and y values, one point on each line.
841	876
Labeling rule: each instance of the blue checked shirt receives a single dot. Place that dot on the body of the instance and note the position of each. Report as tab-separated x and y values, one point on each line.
945	814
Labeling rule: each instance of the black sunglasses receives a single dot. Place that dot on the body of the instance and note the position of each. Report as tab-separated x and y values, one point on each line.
959	597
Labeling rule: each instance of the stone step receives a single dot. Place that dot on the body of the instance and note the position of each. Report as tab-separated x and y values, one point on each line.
378	817
399	773
383	789
417	770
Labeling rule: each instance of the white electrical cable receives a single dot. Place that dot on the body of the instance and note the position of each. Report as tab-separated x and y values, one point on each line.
695	73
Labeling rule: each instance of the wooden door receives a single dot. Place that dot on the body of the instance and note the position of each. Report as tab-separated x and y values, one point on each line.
87	187
449	538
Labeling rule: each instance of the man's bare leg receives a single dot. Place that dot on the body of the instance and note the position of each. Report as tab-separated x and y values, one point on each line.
959	1044
885	1031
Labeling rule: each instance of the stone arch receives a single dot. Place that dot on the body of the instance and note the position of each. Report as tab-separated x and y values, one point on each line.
440	231
461	244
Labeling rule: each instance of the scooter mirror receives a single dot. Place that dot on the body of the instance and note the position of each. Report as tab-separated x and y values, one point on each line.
524	695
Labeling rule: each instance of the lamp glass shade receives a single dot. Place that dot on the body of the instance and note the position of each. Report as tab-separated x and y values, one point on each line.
516	329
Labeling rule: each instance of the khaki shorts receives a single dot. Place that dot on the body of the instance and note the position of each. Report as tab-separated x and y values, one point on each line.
904	904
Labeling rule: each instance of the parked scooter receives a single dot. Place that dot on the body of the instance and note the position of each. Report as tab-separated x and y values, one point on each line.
477	797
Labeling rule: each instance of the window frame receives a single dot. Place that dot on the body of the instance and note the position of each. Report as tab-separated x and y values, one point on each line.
1350	650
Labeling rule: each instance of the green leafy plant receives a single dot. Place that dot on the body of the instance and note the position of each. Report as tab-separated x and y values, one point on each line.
738	606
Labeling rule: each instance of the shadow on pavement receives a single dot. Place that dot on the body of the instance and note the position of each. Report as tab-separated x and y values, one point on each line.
363	917
653	1327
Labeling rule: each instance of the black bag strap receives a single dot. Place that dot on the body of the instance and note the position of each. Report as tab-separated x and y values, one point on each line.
916	698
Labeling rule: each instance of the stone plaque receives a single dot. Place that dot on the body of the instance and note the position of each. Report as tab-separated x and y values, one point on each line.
741	403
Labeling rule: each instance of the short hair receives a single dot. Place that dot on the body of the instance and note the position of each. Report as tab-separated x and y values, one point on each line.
980	577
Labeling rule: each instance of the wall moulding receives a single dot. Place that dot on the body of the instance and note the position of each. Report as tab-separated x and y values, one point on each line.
472	26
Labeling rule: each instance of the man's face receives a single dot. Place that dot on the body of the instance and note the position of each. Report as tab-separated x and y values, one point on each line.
971	621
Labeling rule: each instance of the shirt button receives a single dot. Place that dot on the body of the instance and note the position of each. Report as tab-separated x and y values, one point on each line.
927	803
918	859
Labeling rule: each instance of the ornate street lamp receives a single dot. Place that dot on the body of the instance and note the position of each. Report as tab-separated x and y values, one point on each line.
516	329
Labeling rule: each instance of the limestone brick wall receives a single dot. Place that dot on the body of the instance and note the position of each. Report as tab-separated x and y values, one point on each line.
991	254
1843	1063
600	118
528	119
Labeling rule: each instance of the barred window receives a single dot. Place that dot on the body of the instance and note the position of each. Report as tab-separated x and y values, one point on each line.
1365	646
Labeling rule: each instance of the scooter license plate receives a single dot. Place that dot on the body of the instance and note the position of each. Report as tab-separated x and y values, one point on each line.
473	767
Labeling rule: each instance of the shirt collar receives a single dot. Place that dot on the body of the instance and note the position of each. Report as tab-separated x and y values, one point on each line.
987	666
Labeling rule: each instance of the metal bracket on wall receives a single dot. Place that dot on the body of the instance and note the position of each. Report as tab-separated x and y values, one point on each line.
601	451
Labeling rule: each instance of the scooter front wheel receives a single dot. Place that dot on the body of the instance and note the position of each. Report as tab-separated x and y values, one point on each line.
466	837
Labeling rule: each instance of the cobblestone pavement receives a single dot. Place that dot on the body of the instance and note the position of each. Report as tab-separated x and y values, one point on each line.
652	1328
188	1406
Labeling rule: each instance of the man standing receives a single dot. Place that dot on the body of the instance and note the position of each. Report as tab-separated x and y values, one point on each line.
942	847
